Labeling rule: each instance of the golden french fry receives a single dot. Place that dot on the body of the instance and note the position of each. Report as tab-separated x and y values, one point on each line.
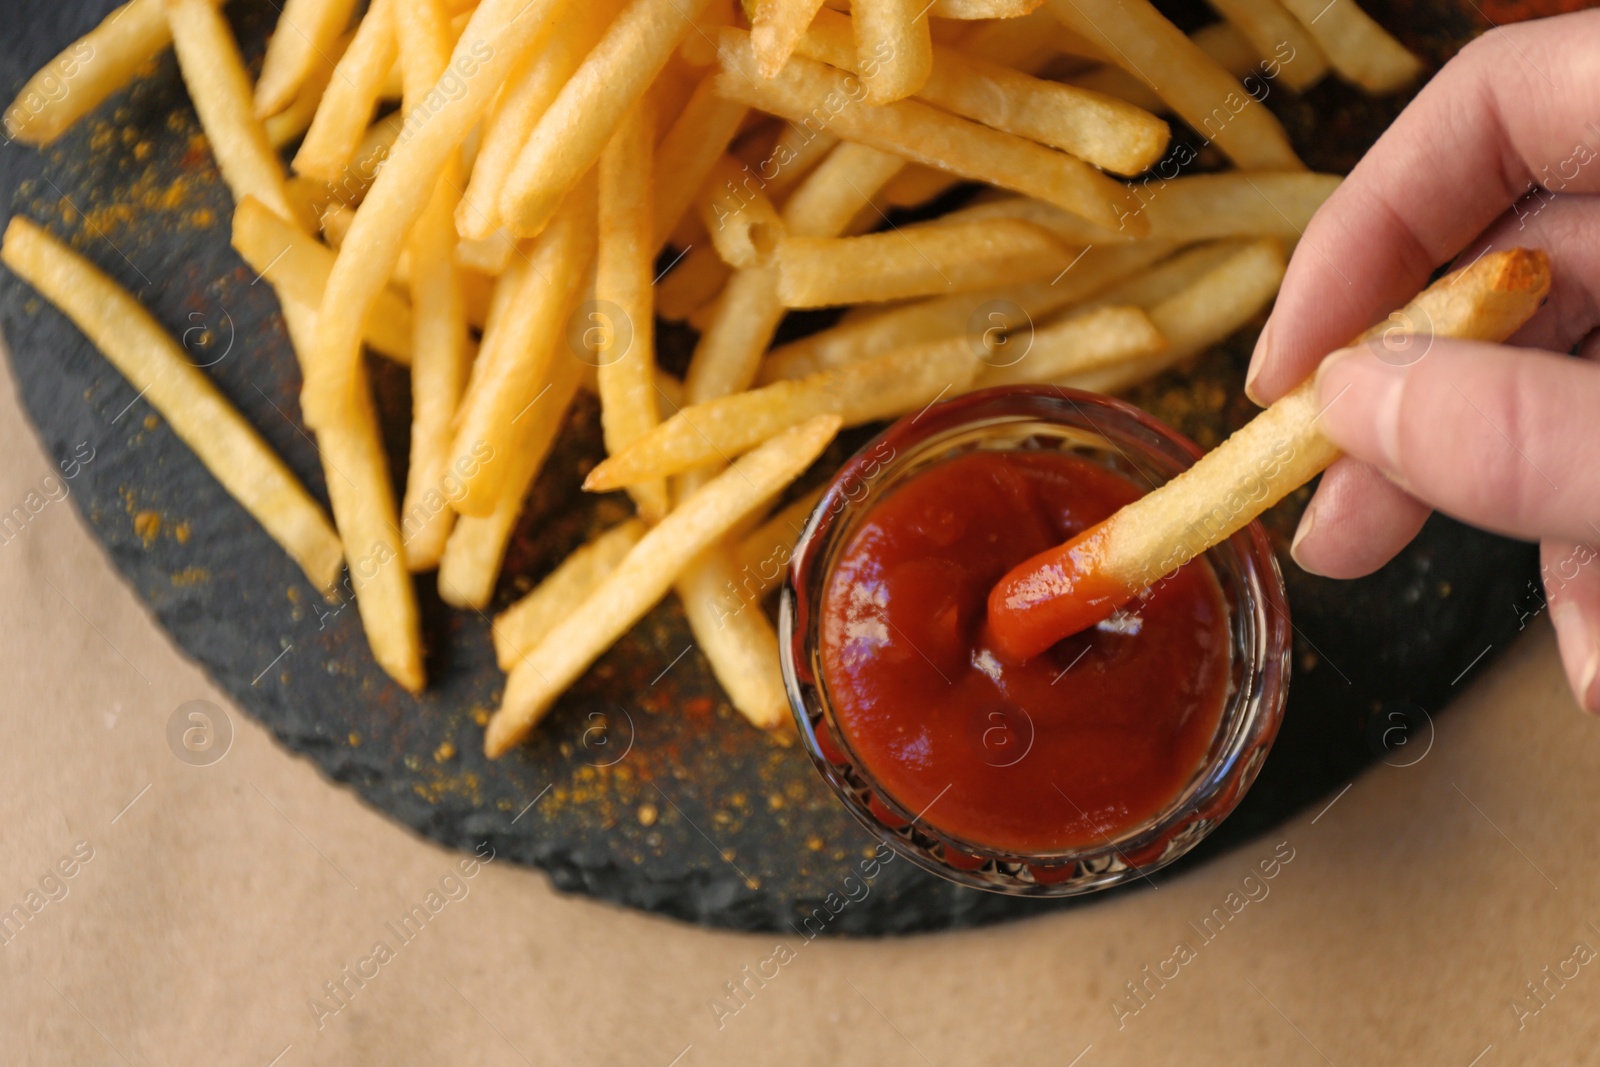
1077	345
693	282
1358	49
838	190
1273	36
1081	582
526	97
298	265
894	51
341	120
624	312
219	87
514	363
87	71
305	33
293	121
490	256
742	222
440	361
983	9
646	573
1000	310
520	628
821	97
1027	43
797	151
357	474
146	355
776	27
1139	38
719	429
1113	81
761	557
697	138
574	130
1197	207
915	185
1203	311
736	639
1102	130
932	258
499	33
477	545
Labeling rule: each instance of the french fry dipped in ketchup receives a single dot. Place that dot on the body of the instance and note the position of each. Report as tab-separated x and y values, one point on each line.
1080	583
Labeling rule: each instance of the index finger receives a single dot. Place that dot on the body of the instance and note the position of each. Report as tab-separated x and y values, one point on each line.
1516	108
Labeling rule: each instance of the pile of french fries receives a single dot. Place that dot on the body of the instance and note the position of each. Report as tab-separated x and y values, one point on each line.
484	190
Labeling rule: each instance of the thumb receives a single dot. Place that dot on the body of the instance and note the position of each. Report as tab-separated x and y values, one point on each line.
1503	438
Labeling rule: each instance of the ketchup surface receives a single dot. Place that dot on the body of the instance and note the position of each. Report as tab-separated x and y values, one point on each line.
1069	748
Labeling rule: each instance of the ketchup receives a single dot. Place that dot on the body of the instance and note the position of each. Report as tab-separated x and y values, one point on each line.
1073	746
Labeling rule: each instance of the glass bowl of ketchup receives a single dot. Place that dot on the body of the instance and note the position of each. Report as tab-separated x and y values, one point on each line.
1098	761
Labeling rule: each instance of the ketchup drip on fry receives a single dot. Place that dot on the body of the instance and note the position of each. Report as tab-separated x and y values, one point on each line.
1079	743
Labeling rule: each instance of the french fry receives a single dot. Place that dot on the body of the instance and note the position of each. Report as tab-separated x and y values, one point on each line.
645	575
219	87
526	97
305	33
1075	585
87	71
494	41
1358	49
894	52
983	9
297	265
1197	301
477	545
1113	81
776	27
520	628
915	185
515	359
795	154
146	355
760	558
692	283
916	261
806	92
1273	34
736	639
624	269
1077	345
1099	129
841	186
293	121
439	364
1140	39
720	429
1006	308
356	470
1196	207
688	150
742	222
1026	42
574	130
340	123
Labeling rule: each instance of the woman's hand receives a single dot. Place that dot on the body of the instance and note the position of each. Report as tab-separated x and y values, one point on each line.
1501	149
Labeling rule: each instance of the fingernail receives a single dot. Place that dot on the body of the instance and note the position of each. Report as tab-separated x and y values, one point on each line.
1360	395
1580	654
1308	520
1257	358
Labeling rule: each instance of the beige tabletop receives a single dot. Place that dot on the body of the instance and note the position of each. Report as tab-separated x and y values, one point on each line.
207	907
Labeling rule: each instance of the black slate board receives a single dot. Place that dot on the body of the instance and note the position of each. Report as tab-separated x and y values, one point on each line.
643	787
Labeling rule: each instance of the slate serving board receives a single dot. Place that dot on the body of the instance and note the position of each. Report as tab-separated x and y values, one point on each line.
643	788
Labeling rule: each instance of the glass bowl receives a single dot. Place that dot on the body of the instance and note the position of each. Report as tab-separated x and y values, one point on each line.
1124	439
